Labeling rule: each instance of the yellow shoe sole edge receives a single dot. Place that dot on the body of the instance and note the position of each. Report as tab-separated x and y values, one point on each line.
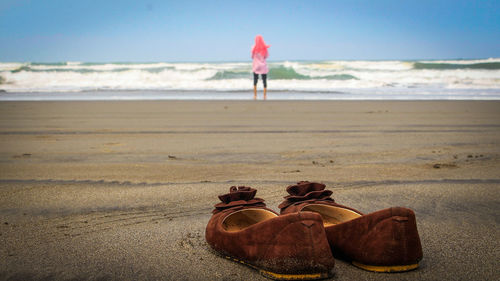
282	276
385	268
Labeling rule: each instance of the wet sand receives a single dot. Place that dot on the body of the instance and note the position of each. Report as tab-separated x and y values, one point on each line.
123	190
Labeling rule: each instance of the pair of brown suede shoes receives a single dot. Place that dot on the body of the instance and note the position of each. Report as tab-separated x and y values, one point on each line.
298	243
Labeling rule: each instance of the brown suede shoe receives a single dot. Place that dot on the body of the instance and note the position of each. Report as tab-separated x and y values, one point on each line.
292	246
383	241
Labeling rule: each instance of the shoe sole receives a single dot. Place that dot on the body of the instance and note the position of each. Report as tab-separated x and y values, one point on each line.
282	276
391	268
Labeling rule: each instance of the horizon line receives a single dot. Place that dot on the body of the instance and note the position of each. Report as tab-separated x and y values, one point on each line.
230	61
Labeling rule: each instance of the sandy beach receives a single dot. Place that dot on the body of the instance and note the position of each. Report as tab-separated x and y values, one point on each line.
123	190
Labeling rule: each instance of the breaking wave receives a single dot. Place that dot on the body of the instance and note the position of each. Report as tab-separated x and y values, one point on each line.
290	76
450	66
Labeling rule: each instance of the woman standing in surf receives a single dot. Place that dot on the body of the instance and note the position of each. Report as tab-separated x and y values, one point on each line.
259	66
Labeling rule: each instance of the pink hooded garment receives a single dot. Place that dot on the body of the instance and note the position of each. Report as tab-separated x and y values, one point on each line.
259	56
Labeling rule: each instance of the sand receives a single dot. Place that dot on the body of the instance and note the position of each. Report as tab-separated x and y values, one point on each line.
123	190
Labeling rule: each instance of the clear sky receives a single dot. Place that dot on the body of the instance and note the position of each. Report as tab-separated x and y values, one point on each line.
183	30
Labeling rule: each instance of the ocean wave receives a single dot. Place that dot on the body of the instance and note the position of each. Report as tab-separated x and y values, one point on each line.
367	65
87	70
21	68
452	66
319	76
224	74
279	73
51	63
289	73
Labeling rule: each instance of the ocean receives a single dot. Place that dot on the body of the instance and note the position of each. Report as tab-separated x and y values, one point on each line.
287	80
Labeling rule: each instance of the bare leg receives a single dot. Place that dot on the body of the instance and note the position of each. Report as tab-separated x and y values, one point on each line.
254	92
265	93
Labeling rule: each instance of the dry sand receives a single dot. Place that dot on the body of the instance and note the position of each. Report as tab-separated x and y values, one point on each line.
123	190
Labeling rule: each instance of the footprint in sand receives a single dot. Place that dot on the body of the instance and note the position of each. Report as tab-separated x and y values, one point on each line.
444	165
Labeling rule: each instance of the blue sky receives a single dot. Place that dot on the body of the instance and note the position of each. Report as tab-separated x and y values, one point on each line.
133	31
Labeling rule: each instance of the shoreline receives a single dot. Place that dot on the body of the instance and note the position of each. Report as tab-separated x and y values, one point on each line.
386	94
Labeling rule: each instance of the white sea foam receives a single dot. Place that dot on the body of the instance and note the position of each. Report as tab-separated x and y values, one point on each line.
489	60
9	66
378	79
